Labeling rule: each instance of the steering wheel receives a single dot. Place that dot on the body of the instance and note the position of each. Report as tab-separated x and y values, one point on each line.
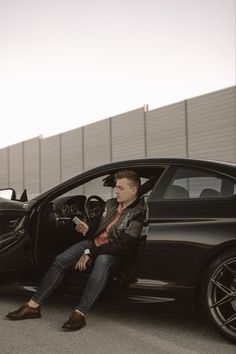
93	211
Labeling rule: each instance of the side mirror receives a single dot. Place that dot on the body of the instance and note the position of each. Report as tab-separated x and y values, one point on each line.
24	197
8	193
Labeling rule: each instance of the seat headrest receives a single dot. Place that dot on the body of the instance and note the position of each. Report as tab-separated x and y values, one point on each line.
209	193
177	192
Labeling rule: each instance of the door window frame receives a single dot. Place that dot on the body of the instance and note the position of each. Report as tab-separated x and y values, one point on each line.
159	189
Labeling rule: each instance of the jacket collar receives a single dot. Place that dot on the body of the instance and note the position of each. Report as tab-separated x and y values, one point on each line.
136	202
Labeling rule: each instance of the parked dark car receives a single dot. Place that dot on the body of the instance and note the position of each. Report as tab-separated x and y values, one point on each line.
187	248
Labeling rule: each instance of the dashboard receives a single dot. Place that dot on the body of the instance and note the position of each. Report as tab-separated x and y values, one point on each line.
69	206
59	213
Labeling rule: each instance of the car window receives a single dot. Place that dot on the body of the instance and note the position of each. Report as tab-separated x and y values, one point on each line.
92	187
189	183
96	187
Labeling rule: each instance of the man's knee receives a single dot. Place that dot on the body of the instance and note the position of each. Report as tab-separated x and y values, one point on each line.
59	261
104	260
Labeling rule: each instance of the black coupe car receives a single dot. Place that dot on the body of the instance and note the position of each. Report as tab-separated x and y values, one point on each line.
187	248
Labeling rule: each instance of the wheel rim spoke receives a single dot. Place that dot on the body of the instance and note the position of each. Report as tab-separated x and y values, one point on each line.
230	270
223	287
229	320
222	301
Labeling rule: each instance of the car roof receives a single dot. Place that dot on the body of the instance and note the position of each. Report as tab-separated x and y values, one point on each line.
221	166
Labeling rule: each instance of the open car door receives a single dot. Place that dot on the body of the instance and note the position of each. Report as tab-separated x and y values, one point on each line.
14	238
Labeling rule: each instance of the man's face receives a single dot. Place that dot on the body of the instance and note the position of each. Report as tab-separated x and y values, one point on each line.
125	192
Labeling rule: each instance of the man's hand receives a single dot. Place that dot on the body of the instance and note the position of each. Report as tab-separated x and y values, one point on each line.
83	262
82	227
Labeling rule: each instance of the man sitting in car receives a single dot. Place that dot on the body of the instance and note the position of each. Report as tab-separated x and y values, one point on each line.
109	248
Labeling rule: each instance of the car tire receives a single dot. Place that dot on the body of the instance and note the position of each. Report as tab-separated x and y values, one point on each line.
219	294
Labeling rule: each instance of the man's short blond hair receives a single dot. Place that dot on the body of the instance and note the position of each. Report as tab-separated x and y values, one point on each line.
131	175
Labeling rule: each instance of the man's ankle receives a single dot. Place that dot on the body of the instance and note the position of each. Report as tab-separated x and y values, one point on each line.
33	304
80	312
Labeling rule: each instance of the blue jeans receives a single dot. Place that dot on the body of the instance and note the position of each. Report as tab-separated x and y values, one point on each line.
102	267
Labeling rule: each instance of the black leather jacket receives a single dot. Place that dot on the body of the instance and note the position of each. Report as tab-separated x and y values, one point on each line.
123	236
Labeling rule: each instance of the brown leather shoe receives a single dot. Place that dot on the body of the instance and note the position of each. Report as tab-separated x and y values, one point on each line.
76	321
24	312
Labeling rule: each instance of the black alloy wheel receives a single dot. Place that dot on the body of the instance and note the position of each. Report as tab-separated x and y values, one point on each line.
219	294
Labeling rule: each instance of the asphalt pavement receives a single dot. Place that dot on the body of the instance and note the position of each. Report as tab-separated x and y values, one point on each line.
112	328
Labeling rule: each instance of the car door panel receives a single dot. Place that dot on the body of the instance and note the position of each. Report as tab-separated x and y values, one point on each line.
181	236
14	240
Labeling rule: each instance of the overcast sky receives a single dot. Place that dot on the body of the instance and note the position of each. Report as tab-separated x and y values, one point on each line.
67	63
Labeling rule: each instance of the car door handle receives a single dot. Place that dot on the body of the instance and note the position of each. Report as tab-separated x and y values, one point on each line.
13	223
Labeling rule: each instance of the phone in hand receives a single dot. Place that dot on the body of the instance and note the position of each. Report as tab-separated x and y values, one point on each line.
77	220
